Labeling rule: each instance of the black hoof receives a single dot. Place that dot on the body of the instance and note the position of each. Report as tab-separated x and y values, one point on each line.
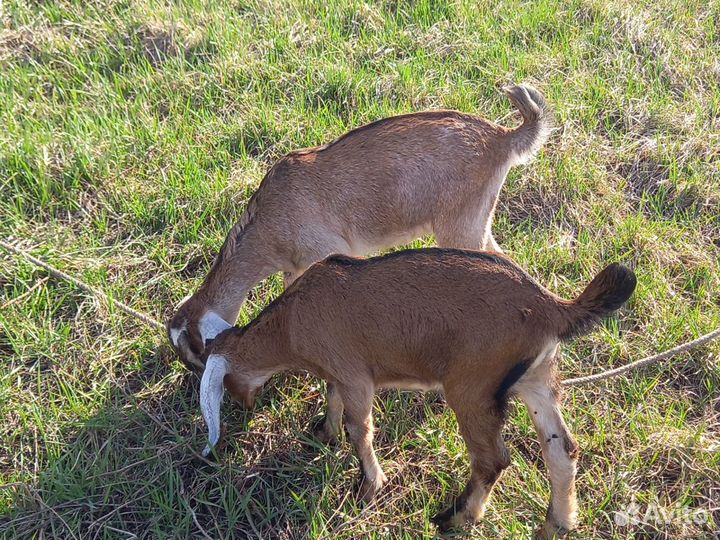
318	431
316	425
366	490
444	520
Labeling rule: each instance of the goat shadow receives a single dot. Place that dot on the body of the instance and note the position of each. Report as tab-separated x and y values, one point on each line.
131	470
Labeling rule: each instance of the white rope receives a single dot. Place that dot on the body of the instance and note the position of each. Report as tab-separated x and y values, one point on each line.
159	326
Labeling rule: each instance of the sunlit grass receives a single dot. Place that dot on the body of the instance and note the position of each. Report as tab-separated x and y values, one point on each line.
134	133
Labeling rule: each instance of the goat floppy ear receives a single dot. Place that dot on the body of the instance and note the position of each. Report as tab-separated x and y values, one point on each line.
210	340
210	325
211	394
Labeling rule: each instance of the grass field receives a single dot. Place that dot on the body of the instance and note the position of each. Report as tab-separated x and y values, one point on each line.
132	136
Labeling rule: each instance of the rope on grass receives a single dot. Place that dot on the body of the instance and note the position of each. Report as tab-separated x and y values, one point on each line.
159	326
59	274
644	362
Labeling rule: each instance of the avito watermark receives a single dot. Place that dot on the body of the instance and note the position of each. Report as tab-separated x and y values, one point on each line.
653	513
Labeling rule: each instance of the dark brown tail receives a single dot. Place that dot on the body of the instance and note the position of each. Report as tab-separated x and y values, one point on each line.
606	293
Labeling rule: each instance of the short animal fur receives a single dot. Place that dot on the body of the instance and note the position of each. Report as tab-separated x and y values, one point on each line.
470	324
376	187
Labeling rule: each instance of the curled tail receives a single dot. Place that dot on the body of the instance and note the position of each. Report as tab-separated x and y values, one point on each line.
606	293
537	121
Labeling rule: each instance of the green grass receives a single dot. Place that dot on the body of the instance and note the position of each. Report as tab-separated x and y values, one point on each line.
132	135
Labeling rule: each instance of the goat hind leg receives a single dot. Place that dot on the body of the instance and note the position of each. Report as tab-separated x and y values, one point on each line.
559	451
481	427
469	229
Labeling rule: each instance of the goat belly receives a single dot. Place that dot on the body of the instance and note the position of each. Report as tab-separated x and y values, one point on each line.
411	384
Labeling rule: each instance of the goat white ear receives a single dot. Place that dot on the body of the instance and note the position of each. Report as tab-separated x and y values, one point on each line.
211	394
211	324
227	324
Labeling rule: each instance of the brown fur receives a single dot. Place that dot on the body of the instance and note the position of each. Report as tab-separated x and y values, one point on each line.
378	186
470	323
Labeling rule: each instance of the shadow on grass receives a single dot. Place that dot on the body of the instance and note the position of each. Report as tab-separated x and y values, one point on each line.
130	471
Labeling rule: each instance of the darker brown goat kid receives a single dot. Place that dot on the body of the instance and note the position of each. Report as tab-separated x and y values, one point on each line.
470	324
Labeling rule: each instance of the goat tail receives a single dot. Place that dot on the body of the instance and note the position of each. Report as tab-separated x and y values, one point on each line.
609	290
537	121
211	394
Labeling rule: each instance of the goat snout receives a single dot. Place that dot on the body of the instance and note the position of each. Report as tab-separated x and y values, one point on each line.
192	336
189	350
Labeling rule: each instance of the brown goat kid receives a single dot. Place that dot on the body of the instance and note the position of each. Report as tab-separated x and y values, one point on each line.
378	186
471	324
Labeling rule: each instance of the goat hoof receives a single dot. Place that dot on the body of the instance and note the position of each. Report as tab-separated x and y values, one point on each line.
366	492
445	521
320	432
551	530
326	438
367	489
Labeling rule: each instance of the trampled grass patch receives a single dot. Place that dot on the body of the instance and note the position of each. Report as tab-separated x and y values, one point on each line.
135	132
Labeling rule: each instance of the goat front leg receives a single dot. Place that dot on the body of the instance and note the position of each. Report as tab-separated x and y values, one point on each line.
560	452
480	425
330	428
359	423
306	249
